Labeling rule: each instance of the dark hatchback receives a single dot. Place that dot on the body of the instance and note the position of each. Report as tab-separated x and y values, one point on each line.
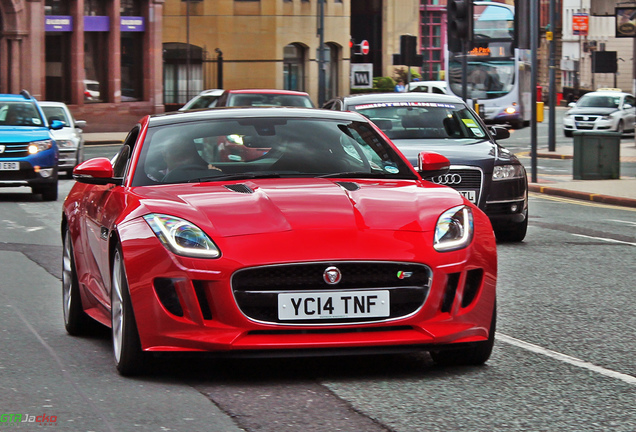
482	170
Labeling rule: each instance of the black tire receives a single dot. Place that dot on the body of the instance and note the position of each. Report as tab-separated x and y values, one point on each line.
517	124
476	355
129	358
513	233
567	133
76	321
620	128
49	192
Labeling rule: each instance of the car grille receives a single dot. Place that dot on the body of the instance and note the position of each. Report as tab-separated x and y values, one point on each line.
12	150
256	289
589	118
461	179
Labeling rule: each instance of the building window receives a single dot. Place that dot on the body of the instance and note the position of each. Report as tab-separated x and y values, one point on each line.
95	7
431	42
332	71
56	7
294	67
132	55
182	72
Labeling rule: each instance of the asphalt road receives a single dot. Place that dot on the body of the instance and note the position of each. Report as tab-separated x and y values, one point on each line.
563	360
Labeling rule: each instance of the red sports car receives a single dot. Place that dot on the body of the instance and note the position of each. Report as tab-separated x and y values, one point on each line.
324	240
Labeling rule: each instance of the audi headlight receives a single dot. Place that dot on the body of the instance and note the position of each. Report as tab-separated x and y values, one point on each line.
507	172
67	144
38	146
454	229
182	237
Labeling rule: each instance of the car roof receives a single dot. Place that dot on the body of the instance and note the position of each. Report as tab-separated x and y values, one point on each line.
175	117
400	97
15	98
609	93
268	91
211	92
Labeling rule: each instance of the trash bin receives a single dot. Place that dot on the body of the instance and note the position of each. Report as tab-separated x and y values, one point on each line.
596	155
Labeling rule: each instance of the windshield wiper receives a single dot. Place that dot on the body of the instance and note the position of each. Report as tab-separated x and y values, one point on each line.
237	176
355	174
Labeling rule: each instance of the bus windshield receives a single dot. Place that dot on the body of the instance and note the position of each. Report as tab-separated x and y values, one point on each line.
487	79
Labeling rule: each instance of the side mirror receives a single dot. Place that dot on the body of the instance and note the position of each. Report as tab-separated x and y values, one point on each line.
572	104
57	125
97	171
627	106
80	124
431	164
499	132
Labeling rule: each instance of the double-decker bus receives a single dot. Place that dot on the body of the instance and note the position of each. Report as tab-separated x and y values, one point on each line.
498	73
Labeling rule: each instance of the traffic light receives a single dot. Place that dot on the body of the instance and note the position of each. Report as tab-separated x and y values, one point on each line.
460	23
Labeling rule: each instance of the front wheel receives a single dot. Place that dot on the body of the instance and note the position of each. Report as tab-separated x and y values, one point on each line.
76	321
620	128
476	355
567	133
512	233
129	358
49	192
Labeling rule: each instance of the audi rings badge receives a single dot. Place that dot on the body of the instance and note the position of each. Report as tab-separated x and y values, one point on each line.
447	179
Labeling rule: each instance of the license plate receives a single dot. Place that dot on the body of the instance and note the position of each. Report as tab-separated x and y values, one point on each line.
584	124
331	305
9	166
469	195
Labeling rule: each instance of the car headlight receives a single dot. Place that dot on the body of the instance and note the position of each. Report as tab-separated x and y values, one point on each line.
606	117
182	237
454	229
38	146
507	172
66	144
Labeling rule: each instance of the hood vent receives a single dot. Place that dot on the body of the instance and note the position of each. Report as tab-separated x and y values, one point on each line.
350	186
240	188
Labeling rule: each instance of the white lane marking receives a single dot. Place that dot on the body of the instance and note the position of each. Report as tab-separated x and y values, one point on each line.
605	239
566	359
623	222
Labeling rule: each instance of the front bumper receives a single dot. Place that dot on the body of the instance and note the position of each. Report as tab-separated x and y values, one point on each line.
187	304
68	159
599	124
507	201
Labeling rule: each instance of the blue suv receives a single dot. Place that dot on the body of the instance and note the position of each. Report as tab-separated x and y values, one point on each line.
28	152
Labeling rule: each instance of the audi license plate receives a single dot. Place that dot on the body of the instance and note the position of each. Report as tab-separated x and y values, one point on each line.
469	195
9	166
326	305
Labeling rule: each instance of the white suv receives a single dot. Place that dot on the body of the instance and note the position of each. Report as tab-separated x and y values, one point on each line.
602	110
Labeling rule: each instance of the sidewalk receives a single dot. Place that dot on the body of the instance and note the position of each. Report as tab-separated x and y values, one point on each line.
621	192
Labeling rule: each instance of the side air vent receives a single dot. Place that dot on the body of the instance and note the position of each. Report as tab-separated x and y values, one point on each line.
240	188
350	186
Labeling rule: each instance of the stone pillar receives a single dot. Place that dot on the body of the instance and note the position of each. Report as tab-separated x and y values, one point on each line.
153	61
77	53
114	53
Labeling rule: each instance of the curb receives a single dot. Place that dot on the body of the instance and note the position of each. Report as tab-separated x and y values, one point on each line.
585	196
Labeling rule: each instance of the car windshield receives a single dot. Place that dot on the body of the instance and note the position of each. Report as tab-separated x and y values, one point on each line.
56	113
423	120
255	99
235	149
599	101
19	114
